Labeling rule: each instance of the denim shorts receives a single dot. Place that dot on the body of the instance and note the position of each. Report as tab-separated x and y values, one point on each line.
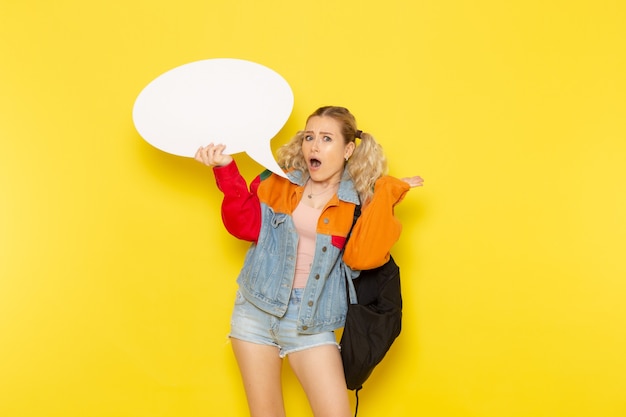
250	324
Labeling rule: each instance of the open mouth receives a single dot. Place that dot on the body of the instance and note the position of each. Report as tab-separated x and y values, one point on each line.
315	163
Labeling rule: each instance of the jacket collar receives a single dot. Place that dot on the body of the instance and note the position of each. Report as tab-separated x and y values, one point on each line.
346	191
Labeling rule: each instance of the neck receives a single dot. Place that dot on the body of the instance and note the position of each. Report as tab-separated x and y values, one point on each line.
325	188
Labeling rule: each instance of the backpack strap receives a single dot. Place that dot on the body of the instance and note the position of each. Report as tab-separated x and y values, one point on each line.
357	213
350	275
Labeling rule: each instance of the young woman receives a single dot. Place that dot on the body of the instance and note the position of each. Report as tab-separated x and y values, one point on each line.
296	275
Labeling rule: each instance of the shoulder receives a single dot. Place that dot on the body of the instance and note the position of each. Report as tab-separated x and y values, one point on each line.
276	191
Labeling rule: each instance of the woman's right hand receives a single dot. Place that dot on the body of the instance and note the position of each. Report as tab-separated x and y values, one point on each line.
213	156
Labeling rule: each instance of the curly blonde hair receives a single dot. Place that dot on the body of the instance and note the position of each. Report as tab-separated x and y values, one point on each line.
365	166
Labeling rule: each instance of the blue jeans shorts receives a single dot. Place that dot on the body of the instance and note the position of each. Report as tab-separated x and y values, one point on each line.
250	324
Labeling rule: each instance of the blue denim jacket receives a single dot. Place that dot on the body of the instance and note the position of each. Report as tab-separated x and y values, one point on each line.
267	276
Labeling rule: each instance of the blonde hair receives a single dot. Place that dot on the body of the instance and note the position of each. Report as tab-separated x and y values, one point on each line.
366	165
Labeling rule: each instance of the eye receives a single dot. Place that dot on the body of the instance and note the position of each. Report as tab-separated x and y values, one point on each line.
328	139
308	138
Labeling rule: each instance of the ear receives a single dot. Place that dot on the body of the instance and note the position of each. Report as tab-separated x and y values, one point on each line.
349	150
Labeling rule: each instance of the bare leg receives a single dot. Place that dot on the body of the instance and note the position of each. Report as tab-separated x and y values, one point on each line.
320	372
260	368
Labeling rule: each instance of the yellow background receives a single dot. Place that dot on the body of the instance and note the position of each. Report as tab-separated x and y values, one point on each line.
117	277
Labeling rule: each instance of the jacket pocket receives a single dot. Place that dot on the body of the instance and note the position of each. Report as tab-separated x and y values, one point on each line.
272	238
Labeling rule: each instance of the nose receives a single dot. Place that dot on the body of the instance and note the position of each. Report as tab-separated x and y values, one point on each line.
315	144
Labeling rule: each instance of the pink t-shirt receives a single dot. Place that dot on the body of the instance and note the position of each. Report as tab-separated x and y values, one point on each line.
305	219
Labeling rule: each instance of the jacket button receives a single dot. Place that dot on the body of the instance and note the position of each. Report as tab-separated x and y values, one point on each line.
326	221
317	276
310	303
305	327
324	249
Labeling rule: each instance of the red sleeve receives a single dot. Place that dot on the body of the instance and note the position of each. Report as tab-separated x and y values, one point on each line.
241	209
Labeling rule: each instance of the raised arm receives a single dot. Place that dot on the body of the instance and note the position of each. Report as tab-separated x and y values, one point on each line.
241	209
377	229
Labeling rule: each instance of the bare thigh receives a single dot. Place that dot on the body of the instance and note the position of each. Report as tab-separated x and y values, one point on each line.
260	368
320	372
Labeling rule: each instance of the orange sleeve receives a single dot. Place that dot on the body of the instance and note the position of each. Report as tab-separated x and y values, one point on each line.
377	229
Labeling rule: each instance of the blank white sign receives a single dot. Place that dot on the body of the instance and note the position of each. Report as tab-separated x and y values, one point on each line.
235	102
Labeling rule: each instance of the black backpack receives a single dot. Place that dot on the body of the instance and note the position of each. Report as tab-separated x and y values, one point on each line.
373	324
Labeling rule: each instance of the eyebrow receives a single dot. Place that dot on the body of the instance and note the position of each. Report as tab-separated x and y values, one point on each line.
323	133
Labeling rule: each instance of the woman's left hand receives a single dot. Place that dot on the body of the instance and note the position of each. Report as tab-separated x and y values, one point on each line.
415	181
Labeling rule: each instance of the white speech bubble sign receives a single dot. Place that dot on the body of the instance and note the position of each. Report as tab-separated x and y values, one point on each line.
238	103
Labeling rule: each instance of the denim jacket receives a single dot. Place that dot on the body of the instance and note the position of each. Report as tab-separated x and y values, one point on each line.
263	215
